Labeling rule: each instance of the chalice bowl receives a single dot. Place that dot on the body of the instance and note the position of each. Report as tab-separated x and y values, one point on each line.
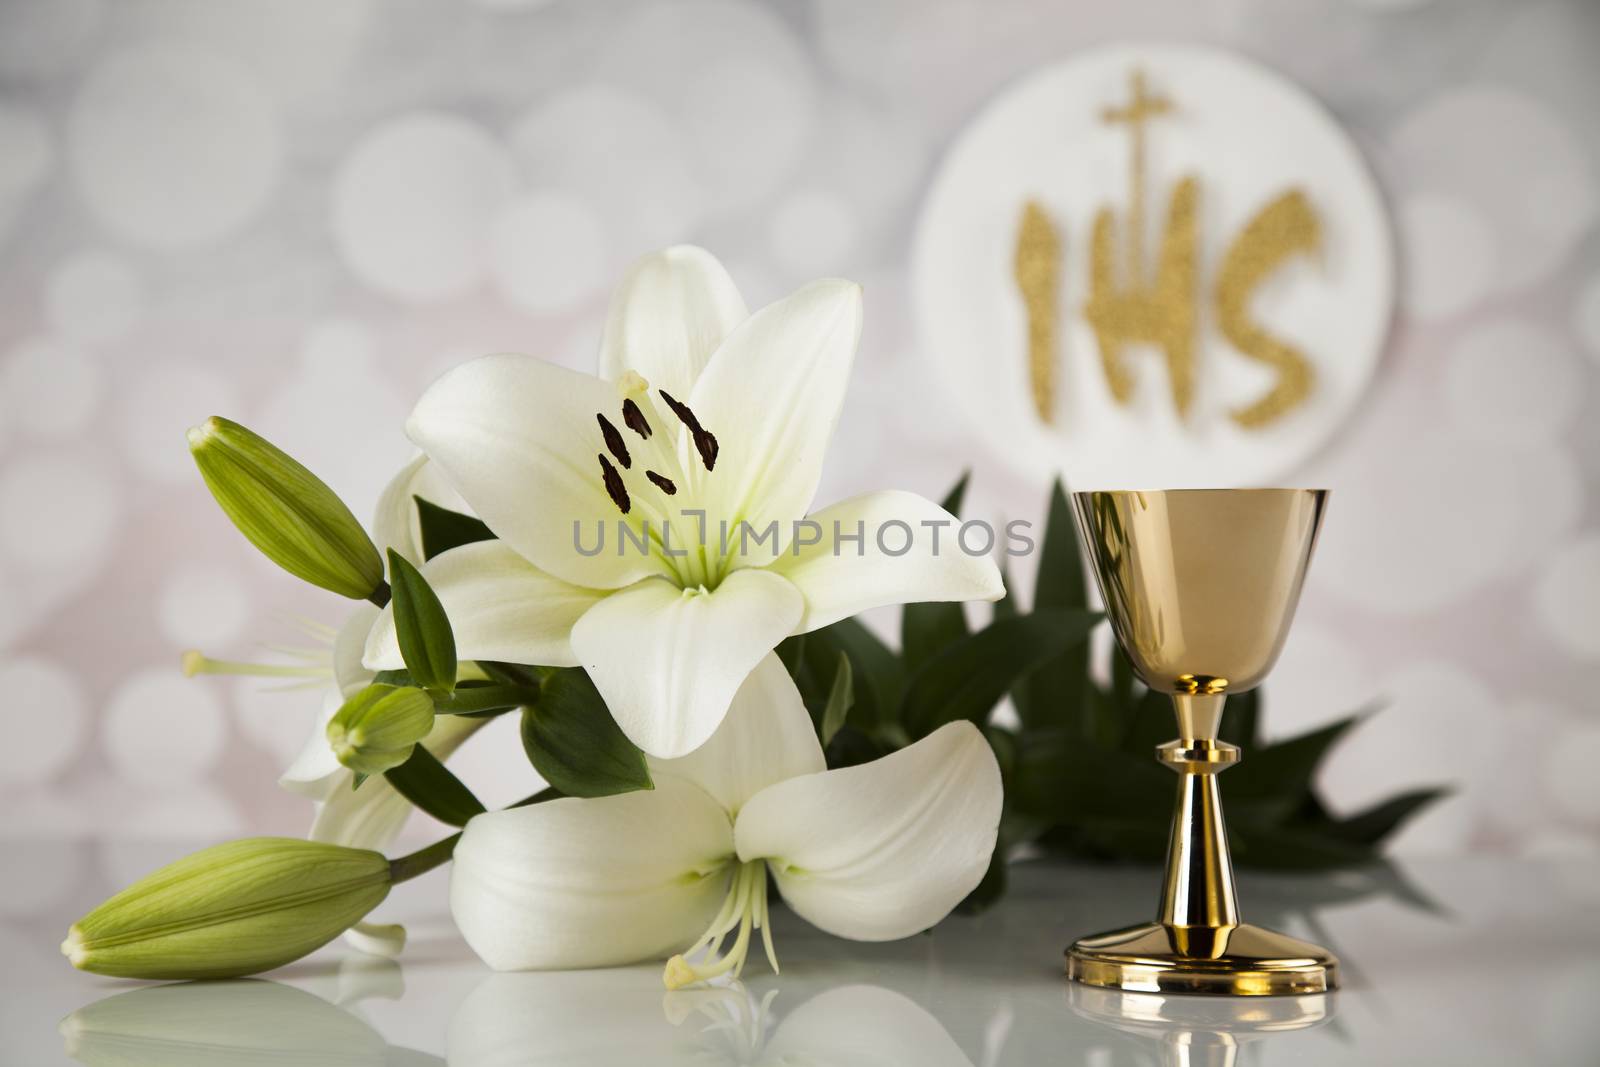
1200	586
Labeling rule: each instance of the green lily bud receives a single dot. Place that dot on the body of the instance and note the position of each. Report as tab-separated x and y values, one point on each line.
286	511
230	910
379	726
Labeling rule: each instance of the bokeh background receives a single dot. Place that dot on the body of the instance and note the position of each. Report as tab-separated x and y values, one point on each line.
297	213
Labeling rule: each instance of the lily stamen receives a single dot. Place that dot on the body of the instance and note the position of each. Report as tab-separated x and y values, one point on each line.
614	443
195	662
745	907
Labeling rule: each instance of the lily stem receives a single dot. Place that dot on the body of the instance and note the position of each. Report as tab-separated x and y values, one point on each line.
423	860
380	594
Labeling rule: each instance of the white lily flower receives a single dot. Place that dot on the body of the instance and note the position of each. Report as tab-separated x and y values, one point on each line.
704	421
874	852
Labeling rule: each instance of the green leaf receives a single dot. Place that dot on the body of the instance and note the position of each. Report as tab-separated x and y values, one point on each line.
840	699
1283	770
1057	690
398	678
877	673
969	678
791	652
574	743
1371	826
927	629
443	529
426	782
426	642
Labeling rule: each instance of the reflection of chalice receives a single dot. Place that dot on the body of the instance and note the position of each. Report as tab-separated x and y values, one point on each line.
1200	586
1199	1033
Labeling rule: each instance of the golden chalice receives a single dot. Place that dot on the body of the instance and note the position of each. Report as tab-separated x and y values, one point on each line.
1200	586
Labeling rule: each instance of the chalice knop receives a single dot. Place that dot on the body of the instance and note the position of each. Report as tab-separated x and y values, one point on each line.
1200	586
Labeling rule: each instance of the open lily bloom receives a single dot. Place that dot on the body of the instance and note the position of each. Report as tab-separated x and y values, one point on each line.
874	852
652	520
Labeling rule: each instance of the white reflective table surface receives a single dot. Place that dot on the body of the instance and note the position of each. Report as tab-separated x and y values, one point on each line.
1467	961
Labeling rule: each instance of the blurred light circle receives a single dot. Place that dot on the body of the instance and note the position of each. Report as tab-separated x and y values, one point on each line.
1318	678
48	720
1567	599
413	201
93	297
204	606
548	252
1447	254
1402	543
737	79
339	412
42	37
163	730
300	50
1518	166
157	407
57	510
1516	379
172	148
49	389
1569	775
813	232
27	154
597	141
1586	316
194	811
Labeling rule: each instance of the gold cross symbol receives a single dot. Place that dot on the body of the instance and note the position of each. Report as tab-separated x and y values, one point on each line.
1139	111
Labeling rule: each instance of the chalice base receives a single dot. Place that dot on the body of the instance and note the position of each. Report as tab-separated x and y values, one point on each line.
1236	961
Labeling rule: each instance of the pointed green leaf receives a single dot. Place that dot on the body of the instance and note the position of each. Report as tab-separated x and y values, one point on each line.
429	785
926	629
443	529
1057	690
1283	769
842	696
969	678
877	673
574	743
482	698
427	643
1371	826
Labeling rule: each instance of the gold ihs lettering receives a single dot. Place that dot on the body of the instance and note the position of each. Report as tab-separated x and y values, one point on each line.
1285	227
1037	266
1128	305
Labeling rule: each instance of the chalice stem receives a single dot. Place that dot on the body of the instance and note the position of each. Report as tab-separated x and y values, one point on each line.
1198	890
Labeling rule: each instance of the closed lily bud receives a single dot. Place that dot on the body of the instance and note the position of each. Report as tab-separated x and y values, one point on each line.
230	910
285	510
379	726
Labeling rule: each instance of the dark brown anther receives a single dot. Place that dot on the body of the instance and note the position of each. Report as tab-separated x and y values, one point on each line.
614	487
705	442
634	419
614	443
661	482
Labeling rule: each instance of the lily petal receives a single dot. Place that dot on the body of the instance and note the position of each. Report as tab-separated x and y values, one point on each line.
349	645
316	772
396	524
371	816
500	606
591	883
842	577
668	661
771	395
885	849
517	437
767	737
667	317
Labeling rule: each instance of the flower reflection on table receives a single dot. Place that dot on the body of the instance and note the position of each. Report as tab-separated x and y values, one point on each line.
614	1018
